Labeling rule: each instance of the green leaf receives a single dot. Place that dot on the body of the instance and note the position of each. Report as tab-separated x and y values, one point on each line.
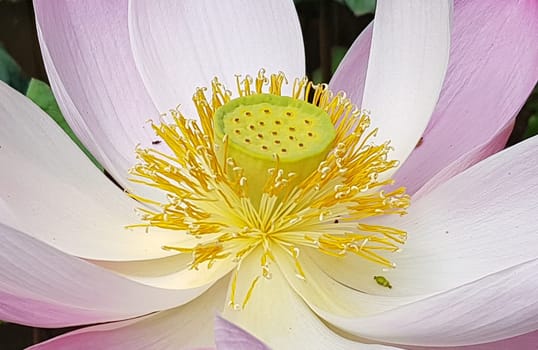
360	7
338	53
11	73
41	94
532	127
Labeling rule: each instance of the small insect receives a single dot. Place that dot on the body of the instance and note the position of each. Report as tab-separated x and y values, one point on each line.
419	142
382	281
156	142
336	221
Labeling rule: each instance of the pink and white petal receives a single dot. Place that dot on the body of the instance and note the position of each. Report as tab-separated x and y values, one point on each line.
276	315
523	342
96	82
474	53
498	306
334	301
477	223
181	45
228	336
351	72
43	287
466	160
406	69
492	70
51	191
186	327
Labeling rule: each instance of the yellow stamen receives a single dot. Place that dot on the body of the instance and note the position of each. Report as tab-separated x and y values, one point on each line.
208	193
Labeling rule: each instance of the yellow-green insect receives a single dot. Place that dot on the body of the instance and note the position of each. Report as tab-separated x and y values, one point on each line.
382	281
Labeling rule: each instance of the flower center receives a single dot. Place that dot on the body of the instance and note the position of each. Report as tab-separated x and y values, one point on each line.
261	127
264	171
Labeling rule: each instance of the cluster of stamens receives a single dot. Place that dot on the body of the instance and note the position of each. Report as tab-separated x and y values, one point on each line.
211	195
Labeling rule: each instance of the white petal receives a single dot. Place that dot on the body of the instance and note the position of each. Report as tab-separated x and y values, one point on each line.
498	306
50	190
184	327
278	316
43	287
479	222
322	293
407	65
181	45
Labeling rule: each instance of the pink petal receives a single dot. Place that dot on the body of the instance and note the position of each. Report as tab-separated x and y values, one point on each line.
43	287
492	71
351	73
228	336
466	160
181	45
527	341
186	327
88	57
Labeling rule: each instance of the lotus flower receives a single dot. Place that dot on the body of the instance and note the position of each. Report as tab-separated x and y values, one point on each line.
465	275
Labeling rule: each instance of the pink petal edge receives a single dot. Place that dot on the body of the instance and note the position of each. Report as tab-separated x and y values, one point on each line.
229	336
41	286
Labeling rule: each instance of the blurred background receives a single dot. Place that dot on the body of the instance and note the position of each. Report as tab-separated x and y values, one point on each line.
329	28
